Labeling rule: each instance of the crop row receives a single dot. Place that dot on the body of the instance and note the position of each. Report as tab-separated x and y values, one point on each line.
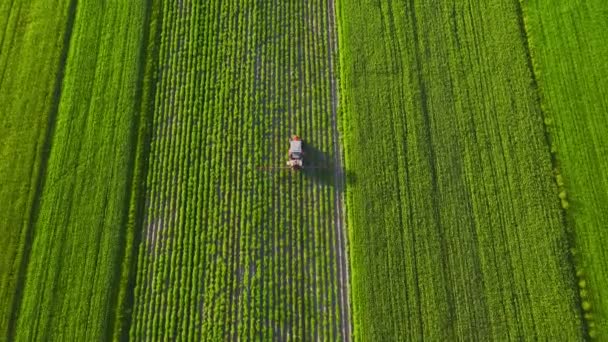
227	250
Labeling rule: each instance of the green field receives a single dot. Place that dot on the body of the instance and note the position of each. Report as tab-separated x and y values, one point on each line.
27	114
568	45
453	184
454	199
230	248
68	289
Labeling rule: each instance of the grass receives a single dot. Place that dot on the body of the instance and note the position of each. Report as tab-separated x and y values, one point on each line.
69	290
569	50
31	48
456	230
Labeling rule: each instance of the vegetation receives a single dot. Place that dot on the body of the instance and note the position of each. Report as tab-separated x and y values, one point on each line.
143	194
455	225
568	45
78	216
31	52
230	248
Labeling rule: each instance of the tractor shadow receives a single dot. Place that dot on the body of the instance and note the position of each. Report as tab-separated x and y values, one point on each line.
320	167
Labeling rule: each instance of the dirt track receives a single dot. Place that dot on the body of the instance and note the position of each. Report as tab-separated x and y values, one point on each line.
341	234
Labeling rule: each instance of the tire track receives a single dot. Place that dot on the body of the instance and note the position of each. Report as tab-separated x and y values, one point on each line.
341	236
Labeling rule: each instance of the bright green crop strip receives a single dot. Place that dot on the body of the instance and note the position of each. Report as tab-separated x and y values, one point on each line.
455	228
568	47
32	53
79	231
230	251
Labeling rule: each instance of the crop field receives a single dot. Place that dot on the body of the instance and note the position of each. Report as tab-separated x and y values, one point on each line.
23	129
452	189
568	45
75	236
467	239
232	249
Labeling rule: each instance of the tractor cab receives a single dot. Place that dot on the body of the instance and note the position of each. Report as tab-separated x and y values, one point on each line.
295	153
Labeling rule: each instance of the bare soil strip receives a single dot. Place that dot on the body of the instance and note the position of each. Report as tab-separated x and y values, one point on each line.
341	236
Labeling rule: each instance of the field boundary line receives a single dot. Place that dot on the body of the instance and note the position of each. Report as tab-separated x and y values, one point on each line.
124	297
342	244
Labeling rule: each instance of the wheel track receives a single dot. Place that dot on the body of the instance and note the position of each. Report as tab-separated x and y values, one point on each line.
341	243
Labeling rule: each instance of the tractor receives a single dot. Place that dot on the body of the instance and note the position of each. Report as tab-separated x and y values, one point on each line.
296	158
296	154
